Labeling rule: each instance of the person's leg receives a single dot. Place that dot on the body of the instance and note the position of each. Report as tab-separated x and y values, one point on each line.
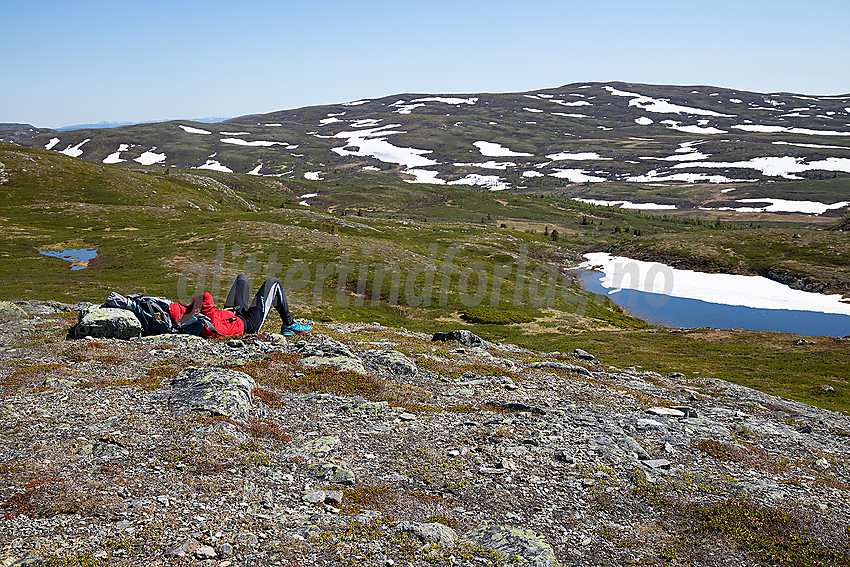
269	295
238	294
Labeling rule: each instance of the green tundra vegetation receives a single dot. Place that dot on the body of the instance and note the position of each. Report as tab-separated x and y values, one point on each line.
423	257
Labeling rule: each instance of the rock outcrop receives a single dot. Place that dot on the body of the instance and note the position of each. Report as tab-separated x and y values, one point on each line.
108	323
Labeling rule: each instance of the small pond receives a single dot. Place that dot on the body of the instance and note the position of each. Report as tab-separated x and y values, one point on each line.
78	257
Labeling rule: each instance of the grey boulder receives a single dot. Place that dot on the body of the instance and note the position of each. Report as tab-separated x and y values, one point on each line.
107	323
220	391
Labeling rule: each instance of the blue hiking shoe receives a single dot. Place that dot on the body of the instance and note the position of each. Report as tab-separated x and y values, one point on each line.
295	328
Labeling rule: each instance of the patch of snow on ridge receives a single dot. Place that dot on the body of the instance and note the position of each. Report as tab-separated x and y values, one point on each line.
215	165
329	120
407	108
660	105
75	151
313	176
576	176
372	143
51	143
626	204
674	125
782	206
777	166
821	146
572	103
447	100
577	156
257	143
644	120
654	177
491	149
532	174
356	102
116	157
150	157
423	176
783	129
491	182
570	114
234	133
749	291
256	170
526	108
190	130
502	165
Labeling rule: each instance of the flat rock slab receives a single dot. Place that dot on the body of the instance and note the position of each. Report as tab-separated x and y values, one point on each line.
431	532
396	362
319	447
9	312
665	412
220	391
522	547
107	323
329	352
462	336
560	365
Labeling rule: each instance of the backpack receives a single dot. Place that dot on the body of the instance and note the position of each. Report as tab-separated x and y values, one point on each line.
153	314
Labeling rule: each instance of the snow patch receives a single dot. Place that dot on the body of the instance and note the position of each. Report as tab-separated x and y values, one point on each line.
51	143
661	105
491	149
644	120
778	166
313	176
215	165
576	176
491	182
116	156
782	206
626	204
577	156
150	157
674	125
783	129
502	165
75	151
190	130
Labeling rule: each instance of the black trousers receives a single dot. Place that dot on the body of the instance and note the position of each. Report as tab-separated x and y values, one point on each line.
254	315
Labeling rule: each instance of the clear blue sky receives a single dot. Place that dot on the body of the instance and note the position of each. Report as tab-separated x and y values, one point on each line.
90	60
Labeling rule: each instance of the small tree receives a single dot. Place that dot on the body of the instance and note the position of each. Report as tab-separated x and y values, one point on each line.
554	234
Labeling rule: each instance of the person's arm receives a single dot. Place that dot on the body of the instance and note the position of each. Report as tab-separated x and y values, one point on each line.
194	307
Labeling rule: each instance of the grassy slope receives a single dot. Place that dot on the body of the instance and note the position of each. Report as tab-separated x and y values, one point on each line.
148	224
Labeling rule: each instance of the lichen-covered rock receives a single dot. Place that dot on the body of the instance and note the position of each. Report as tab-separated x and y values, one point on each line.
318	447
368	408
431	532
462	336
104	450
43	307
331	472
560	365
220	391
108	323
329	352
396	362
9	312
517	545
180	340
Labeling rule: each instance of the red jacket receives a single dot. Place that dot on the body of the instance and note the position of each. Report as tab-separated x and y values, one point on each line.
225	322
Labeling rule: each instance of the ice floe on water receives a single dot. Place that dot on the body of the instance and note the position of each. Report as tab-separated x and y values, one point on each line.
576	156
660	105
51	143
784	166
214	165
786	130
191	130
150	157
75	151
727	289
116	156
502	165
782	206
626	204
491	182
255	143
491	149
576	176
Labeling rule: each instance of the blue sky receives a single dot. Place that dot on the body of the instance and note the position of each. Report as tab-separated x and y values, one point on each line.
90	60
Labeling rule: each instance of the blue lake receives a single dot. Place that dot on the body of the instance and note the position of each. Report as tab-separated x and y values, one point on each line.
667	311
79	257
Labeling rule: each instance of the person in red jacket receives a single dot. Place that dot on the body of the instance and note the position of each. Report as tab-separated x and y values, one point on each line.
239	317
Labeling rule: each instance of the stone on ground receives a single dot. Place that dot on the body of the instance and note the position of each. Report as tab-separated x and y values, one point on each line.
107	323
523	547
220	391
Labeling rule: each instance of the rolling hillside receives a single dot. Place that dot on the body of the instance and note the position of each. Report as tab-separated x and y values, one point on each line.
652	147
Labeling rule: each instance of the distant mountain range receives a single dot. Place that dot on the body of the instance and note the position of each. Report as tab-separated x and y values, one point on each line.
612	134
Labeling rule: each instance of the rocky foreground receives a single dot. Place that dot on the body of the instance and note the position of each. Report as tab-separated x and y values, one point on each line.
364	445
